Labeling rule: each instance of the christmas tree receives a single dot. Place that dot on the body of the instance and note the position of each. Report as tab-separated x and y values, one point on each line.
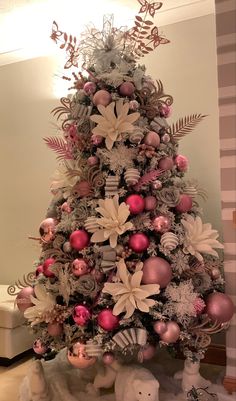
127	264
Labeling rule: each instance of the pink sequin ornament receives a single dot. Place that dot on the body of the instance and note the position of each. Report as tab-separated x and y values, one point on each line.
81	315
161	224
80	267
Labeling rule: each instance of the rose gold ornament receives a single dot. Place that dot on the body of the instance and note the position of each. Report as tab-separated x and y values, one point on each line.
79	358
89	88
23	300
126	89
215	273
219	307
152	139
150	203
55	329
108	358
159	327
165	138
39	348
161	224
47	229
172	333
96	140
65	207
166	163
156	271
102	97
80	267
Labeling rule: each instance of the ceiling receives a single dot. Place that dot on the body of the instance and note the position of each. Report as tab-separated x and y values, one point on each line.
25	25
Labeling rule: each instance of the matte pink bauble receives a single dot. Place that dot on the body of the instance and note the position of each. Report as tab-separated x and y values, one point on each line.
108	358
47	229
156	271
166	163
150	203
79	357
152	139
148	352
219	307
23	301
127	89
136	203
185	204
46	267
107	321
89	88
79	239
79	267
161	224
55	329
39	270
92	161
139	242
102	97
39	348
159	327
81	315
172	333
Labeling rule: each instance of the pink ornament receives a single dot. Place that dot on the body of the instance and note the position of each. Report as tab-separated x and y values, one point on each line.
55	329
46	267
82	189
152	139
185	204
126	89
157	184
161	224
136	204
166	163
89	88
39	348
102	97
139	242
79	240
47	229
39	270
148	352
215	273
92	161
107	321
172	333
23	300
65	207
165	110
219	307
96	140
71	134
150	203
159	327
79	358
165	138
156	271
81	315
134	105
181	162
79	267
108	358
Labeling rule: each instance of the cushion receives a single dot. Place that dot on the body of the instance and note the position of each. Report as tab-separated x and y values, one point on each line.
10	316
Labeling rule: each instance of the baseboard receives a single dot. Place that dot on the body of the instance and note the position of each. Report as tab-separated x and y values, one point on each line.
9	361
215	355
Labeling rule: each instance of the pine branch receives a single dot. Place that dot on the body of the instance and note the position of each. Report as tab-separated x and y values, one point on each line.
59	146
185	125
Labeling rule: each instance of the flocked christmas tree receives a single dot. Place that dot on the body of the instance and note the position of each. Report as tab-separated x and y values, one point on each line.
127	263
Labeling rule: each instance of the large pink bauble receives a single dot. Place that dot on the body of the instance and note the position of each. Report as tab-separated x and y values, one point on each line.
181	162
81	315
107	321
185	204
39	348
156	271
166	163
150	203
55	329
79	267
108	358
79	357
161	224
136	204
152	139
102	97
47	229
159	327
89	88
171	335
148	352
23	301
219	307
46	267
79	239
139	242
127	89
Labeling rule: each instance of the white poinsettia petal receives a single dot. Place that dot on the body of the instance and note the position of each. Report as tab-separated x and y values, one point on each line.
98	236
136	279
113	239
109	143
123	272
142	306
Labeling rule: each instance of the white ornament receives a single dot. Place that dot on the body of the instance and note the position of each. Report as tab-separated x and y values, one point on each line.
130	337
136	136
190	376
111	188
132	176
169	241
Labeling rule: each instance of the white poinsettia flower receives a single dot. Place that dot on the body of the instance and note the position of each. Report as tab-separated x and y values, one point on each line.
200	238
43	302
66	176
113	221
129	294
111	126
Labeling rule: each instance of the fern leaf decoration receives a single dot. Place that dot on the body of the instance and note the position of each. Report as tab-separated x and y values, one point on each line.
59	146
185	125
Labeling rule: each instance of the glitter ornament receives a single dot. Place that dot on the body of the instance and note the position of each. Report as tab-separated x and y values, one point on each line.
89	88
46	267
148	352
79	267
92	161
157	184
219	307
39	348
166	163
185	204
156	271
134	105
199	305
169	241
172	333
152	139
81	315
79	240
165	138
139	242
161	224
126	89
102	97
150	203
108	358
181	163
136	204
55	329
159	327
47	229
107	321
79	358
23	300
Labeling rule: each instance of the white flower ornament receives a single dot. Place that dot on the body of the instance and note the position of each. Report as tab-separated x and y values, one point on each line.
43	302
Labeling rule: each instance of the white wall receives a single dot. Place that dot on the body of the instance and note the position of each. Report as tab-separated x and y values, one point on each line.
187	67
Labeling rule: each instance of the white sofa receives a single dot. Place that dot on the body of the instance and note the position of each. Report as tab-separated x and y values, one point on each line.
14	335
